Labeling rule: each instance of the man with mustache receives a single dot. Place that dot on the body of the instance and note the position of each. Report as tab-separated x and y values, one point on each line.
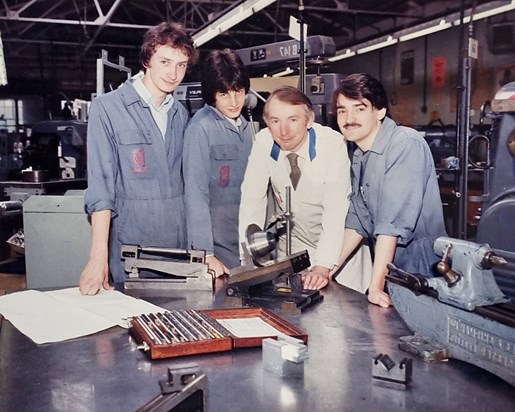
310	158
135	189
395	201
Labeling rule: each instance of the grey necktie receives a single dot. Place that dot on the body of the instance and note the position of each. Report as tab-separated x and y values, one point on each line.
295	170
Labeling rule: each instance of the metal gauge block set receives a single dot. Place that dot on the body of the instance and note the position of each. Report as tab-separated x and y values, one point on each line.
189	332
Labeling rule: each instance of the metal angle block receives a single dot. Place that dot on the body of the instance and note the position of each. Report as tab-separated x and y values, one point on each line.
185	389
384	369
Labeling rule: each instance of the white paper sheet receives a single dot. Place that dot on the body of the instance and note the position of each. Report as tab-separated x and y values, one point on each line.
249	327
65	314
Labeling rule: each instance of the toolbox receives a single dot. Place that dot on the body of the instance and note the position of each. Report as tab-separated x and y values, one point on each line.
190	332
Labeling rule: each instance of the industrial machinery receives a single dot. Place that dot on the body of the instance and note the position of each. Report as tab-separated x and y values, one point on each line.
51	161
317	47
496	226
267	282
190	95
275	285
464	310
57	237
169	268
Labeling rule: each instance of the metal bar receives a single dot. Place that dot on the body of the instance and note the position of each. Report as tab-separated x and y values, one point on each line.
214	324
147	329
180	327
170	322
164	322
155	328
164	328
213	331
288	220
190	326
208	333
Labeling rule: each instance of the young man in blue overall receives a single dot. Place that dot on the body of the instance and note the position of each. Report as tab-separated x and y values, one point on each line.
217	145
135	189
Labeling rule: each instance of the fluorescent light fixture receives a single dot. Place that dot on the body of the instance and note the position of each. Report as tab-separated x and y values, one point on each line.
230	19
390	40
442	25
285	72
481	12
206	36
235	18
488	12
3	70
348	53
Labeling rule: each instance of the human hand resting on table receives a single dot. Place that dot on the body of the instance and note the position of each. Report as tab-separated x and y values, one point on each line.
317	278
94	276
379	297
216	266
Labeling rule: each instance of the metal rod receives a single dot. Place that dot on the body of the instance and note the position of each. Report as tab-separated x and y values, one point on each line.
194	319
172	323
180	326
214	324
164	328
156	329
170	327
302	57
147	329
288	220
188	324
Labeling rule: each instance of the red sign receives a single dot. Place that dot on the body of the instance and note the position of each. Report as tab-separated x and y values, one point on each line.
438	72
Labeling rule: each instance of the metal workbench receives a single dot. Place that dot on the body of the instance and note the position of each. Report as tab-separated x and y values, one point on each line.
105	372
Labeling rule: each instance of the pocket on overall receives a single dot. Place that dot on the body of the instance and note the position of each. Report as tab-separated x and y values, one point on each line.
224	165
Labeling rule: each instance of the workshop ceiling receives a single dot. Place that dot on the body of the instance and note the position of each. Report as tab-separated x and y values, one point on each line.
44	39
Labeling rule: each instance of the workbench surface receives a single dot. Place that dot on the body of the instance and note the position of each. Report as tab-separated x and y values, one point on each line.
105	371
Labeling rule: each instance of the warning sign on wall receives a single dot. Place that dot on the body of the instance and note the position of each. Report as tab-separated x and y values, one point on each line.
438	72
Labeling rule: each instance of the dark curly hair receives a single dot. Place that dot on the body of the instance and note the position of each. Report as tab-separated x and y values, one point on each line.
167	34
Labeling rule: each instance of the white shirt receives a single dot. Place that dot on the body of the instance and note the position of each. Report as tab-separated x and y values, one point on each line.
160	114
320	202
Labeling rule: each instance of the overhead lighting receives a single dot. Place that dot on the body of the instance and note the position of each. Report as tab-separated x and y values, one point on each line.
285	72
348	53
481	12
230	19
3	70
390	40
442	25
488	12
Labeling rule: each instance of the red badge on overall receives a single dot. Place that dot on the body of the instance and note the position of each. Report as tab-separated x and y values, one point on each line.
138	160
224	175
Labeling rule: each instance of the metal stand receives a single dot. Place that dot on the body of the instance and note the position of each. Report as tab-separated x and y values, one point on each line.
463	132
103	61
302	57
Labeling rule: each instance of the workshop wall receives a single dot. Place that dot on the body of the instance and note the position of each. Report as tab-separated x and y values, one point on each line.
408	68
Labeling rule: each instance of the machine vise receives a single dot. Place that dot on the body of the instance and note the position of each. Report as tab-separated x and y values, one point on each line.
171	268
273	284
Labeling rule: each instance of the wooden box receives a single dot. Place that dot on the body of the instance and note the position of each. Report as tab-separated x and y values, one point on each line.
225	325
